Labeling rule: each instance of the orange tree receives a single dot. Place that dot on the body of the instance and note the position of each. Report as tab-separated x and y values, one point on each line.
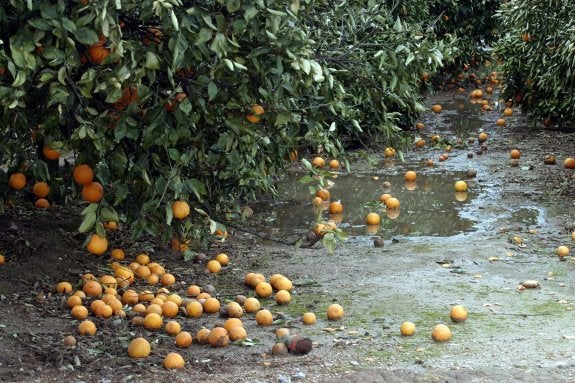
537	58
199	101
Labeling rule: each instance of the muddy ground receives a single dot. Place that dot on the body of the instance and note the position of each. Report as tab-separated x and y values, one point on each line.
510	336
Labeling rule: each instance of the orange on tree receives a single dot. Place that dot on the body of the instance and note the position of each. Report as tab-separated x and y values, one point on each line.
50	153
256	112
98	52
180	209
93	192
41	189
17	181
83	174
97	244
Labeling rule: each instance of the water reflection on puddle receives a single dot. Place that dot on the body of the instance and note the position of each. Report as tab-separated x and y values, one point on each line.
429	206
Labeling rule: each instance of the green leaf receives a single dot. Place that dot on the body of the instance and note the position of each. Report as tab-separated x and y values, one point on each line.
282	118
109	214
86	36
212	90
87	223
152	61
20	79
233	5
91	208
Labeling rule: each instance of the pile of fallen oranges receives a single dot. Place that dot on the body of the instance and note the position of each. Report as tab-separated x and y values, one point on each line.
140	291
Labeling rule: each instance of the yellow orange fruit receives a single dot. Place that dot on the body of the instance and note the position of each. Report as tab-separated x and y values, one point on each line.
309	318
233	322
335	311
219	337
214	266
17	181
515	154
41	189
184	339
334	164
335	207
83	174
441	333
180	209
222	258
202	335
372	219
407	328
153	321
173	328
139	348
97	244
458	314
252	305
419	126
482	137
318	162
194	309
562	251
460	186
211	305
142	259
118	254
42	203
264	290
501	122
437	108
92	288
323	194
50	153
130	297
508	112
193	290
79	312
237	333
170	309
264	317
410	176
73	300
93	192
389	152
282	283
282	297
174	361
569	163
87	327
167	279
234	310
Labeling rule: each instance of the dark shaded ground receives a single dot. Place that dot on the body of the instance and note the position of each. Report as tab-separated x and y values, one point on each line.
510	337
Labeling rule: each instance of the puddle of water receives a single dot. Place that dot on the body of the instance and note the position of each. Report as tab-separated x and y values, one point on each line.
429	206
463	116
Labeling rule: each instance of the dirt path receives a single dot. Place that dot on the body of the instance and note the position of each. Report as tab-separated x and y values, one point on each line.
522	212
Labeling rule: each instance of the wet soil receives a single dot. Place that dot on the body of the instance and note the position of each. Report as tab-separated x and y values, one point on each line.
520	215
